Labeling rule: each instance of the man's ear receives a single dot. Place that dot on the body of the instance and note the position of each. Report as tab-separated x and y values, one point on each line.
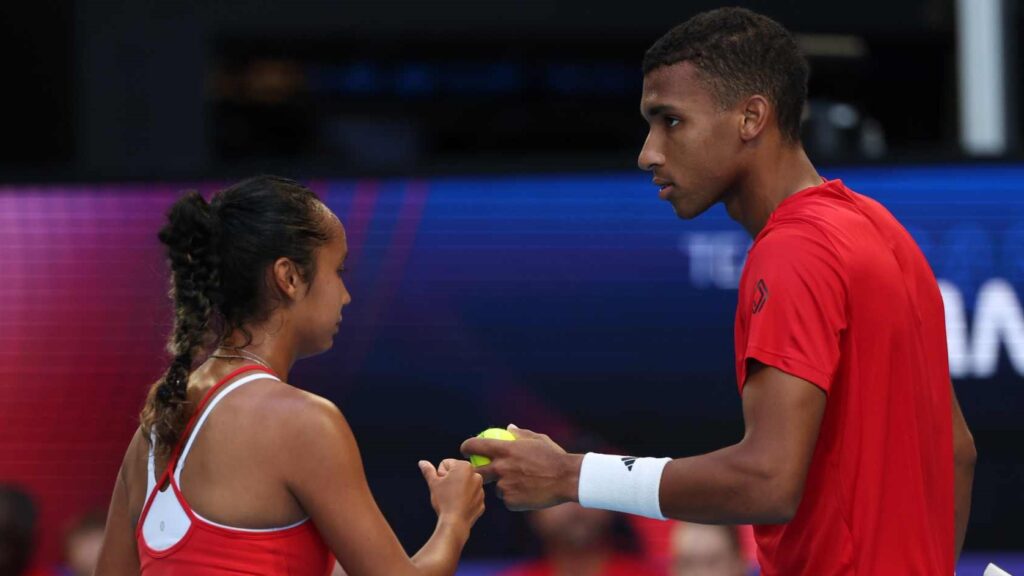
286	278
756	109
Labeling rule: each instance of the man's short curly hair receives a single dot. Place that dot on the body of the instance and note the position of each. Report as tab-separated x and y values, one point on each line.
740	53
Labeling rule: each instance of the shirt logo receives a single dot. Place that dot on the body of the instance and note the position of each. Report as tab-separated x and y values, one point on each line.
629	461
761	296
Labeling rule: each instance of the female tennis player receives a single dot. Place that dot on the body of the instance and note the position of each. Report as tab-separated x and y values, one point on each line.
233	470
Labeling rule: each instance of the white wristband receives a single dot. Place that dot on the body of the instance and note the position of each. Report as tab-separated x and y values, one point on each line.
622	484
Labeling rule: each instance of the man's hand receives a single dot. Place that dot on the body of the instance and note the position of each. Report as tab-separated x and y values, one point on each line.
531	472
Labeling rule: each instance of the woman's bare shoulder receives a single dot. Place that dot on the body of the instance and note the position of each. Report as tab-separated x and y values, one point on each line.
296	415
136	455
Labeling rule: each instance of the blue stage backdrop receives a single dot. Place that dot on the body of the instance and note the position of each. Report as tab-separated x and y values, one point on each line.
580	303
576	305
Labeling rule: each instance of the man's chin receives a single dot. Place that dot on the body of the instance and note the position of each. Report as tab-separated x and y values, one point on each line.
687	211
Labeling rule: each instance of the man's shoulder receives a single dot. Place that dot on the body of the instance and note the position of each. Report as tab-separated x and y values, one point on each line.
795	250
831	202
794	237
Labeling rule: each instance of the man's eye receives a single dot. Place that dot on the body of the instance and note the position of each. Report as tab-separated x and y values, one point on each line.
671	122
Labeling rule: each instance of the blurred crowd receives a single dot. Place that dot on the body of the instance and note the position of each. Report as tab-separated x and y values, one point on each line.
82	538
572	540
577	541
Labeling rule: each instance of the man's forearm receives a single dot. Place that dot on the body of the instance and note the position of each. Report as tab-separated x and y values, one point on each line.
729	486
759	480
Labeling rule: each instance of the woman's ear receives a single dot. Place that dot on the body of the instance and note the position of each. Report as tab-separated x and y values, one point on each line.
286	278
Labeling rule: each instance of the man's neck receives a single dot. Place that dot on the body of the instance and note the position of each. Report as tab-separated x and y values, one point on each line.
771	180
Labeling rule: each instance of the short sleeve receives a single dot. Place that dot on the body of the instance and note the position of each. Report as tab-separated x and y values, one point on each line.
792	306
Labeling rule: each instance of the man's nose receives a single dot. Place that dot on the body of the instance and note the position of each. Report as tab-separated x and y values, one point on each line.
650	156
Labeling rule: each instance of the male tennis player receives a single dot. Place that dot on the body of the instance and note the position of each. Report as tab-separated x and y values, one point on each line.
856	458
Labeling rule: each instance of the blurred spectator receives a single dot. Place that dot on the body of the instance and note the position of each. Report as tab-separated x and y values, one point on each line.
17	530
706	550
82	543
578	541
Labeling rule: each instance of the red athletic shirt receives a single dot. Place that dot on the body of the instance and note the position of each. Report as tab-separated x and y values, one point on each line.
837	293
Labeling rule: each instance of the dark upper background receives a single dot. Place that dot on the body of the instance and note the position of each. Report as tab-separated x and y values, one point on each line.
101	89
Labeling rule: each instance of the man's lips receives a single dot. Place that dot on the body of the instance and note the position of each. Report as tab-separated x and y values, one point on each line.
665	188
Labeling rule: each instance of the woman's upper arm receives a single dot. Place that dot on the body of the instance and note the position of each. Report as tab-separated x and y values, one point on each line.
324	471
119	555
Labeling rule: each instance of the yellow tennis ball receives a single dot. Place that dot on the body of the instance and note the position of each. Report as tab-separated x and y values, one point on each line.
492	434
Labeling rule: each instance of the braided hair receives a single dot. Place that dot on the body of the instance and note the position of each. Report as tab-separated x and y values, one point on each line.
219	253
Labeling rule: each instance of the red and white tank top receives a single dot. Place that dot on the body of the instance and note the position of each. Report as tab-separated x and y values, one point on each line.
174	540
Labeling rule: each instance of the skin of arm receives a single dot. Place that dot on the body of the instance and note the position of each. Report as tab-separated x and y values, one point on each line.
325	474
758	480
118	554
964	457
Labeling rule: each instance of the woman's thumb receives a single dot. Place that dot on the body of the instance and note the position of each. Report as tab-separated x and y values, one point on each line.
429	472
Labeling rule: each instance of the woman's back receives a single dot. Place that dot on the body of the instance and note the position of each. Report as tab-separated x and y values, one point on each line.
218	511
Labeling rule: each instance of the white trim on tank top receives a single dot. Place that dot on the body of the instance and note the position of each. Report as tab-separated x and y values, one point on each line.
151	466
